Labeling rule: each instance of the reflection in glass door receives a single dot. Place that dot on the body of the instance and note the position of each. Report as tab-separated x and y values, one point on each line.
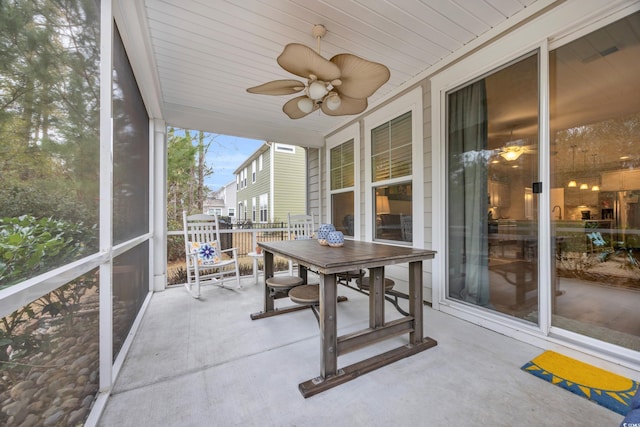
492	164
595	180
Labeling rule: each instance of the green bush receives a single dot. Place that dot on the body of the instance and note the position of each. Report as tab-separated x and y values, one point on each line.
55	200
31	246
175	244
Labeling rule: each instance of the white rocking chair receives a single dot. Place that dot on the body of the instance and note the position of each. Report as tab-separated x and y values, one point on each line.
207	262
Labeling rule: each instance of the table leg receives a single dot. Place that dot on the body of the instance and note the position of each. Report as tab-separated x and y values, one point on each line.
269	304
302	273
376	297
328	326
270	297
415	301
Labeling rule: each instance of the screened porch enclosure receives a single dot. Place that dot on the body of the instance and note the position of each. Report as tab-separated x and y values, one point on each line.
91	329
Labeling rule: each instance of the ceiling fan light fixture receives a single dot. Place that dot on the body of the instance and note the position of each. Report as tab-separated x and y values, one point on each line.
317	90
332	101
584	186
572	184
338	86
511	153
305	105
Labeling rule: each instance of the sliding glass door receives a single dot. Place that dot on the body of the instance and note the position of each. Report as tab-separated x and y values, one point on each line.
593	218
492	212
595	180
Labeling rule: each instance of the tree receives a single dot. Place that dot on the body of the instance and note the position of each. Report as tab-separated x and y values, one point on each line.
187	170
181	155
49	59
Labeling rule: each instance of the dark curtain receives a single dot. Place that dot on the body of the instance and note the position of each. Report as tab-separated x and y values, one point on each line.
467	194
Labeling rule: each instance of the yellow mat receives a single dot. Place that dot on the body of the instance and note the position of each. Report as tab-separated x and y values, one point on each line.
605	388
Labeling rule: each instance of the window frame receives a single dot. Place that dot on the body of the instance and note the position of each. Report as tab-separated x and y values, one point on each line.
554	29
264	208
411	101
350	133
253	171
253	209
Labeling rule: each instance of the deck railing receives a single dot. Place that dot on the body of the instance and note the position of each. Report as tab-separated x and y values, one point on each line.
244	237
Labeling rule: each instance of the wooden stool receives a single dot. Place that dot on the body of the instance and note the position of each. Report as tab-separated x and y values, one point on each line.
279	284
305	295
364	284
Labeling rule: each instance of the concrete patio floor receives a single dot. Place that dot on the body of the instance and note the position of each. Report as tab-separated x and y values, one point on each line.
206	363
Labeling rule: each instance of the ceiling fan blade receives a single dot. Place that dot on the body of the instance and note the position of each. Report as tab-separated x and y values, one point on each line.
292	110
360	78
347	107
278	87
303	61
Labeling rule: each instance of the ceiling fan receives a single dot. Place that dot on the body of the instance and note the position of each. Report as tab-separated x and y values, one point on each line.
514	150
339	86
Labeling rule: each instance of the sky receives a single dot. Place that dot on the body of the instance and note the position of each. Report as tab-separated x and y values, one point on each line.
224	156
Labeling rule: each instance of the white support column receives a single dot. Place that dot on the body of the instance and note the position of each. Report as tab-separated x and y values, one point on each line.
159	210
106	196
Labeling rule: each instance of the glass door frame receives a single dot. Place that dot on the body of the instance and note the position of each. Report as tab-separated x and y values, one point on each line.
440	298
556	27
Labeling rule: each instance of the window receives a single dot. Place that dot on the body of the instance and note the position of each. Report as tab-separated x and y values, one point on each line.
237	182
253	171
244	178
394	170
392	210
253	209
264	200
260	160
391	153
232	212
342	177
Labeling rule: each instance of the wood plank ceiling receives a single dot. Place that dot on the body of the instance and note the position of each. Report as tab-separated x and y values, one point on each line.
208	52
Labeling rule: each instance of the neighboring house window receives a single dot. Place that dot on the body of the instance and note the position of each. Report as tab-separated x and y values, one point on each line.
237	182
264	199
231	212
253	171
244	181
253	209
285	148
342	176
260	160
214	211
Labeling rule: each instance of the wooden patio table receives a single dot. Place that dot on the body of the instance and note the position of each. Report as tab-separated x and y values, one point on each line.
354	255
